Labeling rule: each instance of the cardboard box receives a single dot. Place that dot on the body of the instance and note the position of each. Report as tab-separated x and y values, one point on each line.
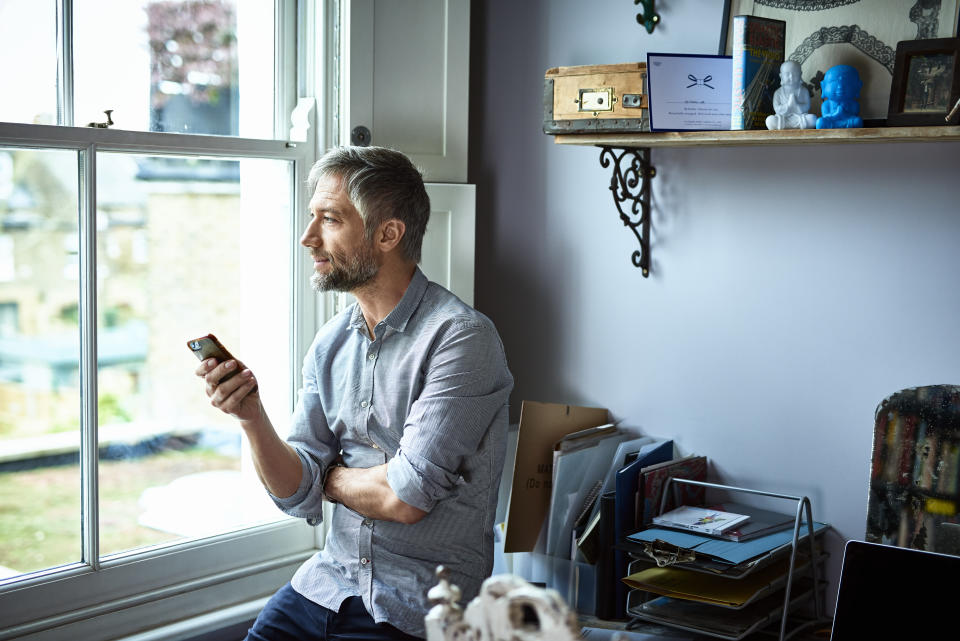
541	426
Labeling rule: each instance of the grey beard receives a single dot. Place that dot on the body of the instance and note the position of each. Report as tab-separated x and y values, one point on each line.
358	271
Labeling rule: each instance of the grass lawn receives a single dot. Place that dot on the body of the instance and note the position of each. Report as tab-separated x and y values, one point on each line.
40	509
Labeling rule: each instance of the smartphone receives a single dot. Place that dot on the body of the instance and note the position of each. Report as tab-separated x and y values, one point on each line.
209	347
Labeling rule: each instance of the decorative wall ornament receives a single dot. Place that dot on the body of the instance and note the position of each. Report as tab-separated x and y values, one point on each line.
630	184
649	17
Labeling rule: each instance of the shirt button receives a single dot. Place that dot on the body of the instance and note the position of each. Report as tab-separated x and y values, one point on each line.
364	561
372	356
364	403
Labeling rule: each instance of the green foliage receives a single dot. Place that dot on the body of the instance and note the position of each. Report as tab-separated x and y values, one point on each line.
117	315
111	410
40	509
70	314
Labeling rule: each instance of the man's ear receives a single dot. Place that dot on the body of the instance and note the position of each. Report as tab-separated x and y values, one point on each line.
390	234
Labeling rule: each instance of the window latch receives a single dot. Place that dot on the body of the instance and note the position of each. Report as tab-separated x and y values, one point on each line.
103	125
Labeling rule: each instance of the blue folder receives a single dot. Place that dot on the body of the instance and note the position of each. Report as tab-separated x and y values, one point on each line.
729	551
625	510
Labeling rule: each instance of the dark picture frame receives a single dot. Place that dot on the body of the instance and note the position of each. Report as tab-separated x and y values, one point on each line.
926	82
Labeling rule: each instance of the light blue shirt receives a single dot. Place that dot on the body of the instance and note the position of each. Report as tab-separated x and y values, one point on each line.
428	396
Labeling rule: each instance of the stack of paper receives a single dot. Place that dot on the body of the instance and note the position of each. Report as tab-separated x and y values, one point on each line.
761	521
721	623
580	461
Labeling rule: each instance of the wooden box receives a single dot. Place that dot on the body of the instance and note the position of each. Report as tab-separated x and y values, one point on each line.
596	98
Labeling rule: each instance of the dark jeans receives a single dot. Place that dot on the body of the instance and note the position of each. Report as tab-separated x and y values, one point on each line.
291	617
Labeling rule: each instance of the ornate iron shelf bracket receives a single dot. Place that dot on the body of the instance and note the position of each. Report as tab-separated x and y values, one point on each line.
631	186
649	17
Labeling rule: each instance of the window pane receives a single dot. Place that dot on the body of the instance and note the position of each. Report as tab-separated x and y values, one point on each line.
186	247
39	360
28	36
194	66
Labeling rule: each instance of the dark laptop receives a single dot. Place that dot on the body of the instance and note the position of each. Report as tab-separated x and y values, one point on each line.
888	592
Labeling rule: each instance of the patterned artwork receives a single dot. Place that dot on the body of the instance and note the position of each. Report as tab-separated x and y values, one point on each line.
914	496
805	5
852	35
860	33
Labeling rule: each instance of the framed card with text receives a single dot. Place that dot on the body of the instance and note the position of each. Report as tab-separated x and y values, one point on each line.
688	92
864	35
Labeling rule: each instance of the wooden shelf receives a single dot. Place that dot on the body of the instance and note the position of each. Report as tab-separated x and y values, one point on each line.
763	137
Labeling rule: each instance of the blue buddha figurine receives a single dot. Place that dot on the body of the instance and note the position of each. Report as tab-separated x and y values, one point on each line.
841	89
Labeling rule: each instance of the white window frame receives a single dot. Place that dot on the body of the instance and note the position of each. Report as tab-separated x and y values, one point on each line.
118	595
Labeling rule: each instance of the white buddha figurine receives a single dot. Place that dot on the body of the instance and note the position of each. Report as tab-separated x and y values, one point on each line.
791	101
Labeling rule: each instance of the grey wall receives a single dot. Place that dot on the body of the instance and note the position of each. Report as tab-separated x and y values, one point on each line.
792	289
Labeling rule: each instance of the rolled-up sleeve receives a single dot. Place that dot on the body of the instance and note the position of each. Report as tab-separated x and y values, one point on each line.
467	383
317	446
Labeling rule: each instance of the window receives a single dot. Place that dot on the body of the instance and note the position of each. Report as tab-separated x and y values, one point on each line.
27	25
125	499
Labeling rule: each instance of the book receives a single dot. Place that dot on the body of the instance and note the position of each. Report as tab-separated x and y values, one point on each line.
691	468
588	541
906	449
761	521
585	528
758	52
951	470
879	444
700	519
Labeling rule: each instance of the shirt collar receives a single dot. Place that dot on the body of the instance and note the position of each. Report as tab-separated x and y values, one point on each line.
398	318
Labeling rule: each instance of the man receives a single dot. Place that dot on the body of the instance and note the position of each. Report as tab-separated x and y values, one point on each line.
401	421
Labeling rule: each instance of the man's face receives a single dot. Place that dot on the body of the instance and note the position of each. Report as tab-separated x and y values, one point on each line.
343	260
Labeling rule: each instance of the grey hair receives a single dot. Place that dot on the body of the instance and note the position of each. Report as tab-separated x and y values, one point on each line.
382	184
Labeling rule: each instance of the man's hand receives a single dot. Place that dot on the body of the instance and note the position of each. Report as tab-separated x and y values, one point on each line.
276	462
239	397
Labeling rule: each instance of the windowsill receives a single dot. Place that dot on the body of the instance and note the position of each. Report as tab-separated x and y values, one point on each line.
226	624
